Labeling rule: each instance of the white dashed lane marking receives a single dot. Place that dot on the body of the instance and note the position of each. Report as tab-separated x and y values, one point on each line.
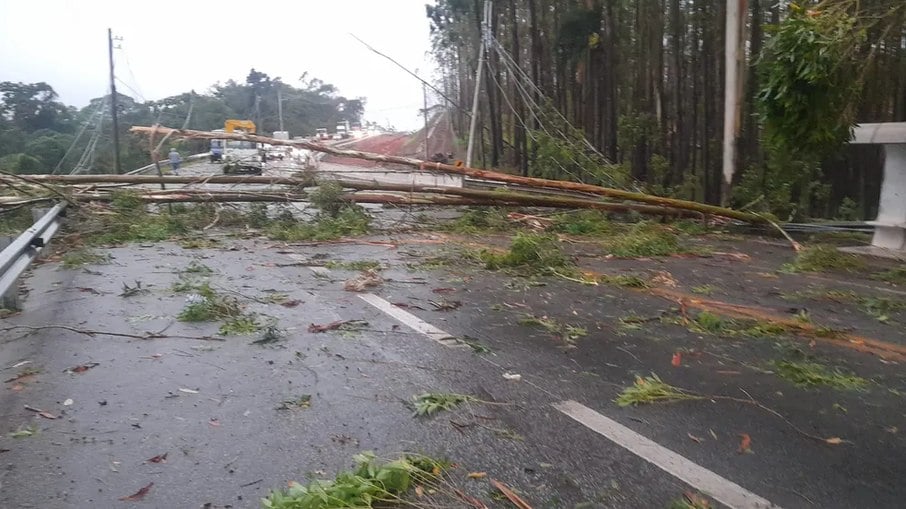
413	322
721	489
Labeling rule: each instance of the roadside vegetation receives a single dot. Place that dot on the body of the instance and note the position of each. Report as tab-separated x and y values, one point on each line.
373	482
84	256
810	374
824	258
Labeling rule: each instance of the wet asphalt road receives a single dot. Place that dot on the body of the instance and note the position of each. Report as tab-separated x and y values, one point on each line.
212	406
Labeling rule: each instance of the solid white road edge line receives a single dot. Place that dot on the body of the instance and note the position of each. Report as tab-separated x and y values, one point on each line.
413	322
723	490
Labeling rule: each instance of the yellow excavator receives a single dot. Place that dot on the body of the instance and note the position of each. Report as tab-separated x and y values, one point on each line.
238	156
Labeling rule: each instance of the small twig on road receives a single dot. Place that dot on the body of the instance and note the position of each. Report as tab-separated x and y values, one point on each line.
93	333
620	348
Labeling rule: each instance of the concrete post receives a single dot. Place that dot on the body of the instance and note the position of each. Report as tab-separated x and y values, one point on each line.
890	226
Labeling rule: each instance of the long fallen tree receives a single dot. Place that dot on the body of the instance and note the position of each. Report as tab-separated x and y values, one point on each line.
406	194
619	194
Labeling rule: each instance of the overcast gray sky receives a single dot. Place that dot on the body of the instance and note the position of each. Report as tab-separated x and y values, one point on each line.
172	46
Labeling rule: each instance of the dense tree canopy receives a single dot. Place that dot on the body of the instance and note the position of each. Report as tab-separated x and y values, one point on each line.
643	82
37	131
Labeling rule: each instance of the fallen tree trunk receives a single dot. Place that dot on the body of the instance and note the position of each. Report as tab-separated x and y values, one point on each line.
154	179
468	196
471	172
525	199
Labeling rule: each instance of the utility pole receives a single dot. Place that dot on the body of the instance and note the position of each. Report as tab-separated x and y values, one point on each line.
733	80
280	106
481	51
425	111
116	126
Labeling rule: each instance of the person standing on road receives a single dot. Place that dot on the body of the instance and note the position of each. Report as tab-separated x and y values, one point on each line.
175	160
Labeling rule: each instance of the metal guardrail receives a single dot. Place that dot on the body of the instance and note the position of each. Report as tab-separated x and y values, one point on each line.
19	254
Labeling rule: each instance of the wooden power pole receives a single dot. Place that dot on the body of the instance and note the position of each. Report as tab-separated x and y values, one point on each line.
481	51
116	125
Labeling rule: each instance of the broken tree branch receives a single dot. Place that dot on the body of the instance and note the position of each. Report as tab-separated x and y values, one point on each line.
471	172
93	333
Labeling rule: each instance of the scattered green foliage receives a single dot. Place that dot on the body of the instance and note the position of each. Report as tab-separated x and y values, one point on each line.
840	238
706	322
896	275
691	500
373	483
186	285
821	258
644	239
703	289
301	403
272	334
529	251
709	322
257	216
349	221
567	333
583	222
651	389
327	197
210	307
809	81
481	219
626	280
132	291
880	308
274	298
80	257
14	222
242	325
24	432
196	267
812	374
429	403
476	346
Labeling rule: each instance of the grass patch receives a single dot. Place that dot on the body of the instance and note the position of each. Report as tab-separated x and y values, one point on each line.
822	258
430	403
82	257
15	221
349	221
358	265
812	374
706	322
895	275
482	219
529	251
840	238
625	280
372	483
651	389
301	403
703	289
879	308
202	288
567	333
583	222
644	240
242	325
208	307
